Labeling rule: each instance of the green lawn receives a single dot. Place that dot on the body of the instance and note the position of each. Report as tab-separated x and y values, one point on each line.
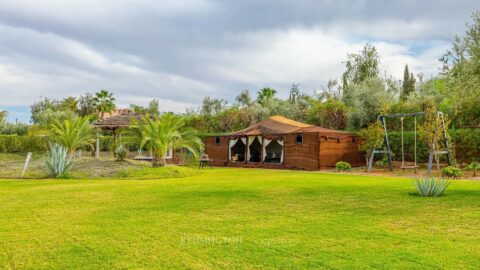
240	219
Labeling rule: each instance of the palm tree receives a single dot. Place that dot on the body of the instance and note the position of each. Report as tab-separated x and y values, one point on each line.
474	166
70	103
265	96
72	133
168	132
104	102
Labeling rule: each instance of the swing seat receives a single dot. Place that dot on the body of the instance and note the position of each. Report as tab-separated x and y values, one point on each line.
409	167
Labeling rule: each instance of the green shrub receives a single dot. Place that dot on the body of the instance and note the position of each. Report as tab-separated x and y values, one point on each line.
343	166
452	172
25	143
466	143
121	153
57	162
431	187
474	166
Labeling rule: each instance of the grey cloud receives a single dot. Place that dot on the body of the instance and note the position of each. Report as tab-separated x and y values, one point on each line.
183	50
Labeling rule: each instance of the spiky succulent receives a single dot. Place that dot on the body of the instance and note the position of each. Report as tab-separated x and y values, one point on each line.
431	186
57	162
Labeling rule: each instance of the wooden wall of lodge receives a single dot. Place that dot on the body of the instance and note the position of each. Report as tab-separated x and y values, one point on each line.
314	153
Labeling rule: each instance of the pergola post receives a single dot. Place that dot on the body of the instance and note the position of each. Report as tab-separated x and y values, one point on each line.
97	146
115	137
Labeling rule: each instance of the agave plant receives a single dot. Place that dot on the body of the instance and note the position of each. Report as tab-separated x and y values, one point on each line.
431	187
121	153
58	162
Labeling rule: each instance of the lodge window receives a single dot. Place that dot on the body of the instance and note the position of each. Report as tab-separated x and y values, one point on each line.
217	140
298	138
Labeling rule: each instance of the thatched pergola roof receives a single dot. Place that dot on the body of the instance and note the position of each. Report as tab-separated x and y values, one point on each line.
118	121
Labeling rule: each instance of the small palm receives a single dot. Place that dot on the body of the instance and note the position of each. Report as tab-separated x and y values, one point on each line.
474	166
72	133
168	132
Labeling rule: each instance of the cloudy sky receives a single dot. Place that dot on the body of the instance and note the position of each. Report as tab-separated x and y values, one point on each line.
180	51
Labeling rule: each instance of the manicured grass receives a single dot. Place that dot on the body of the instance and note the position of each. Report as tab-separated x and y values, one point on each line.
238	219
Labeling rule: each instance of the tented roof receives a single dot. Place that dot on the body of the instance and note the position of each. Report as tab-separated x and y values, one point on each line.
278	125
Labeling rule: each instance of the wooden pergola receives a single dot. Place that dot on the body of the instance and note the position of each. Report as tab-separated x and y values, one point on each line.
116	124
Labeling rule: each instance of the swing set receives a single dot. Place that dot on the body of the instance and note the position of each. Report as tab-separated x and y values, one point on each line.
386	150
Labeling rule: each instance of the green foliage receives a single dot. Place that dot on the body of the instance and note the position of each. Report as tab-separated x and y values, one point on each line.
452	172
104	102
474	166
265	96
121	153
22	143
367	100
362	65
343	166
152	108
372	137
431	187
72	133
168	132
408	85
57	162
86	106
10	128
461	67
331	113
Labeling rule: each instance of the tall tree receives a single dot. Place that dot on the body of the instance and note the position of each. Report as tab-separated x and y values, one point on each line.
265	96
154	107
104	102
408	84
86	105
244	99
462	68
46	105
360	67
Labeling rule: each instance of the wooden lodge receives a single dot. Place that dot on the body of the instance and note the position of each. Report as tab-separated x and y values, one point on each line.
278	142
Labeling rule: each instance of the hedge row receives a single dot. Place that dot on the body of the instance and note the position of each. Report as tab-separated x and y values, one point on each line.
466	145
22	143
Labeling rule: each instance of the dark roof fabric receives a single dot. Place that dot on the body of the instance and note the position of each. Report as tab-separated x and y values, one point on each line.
118	121
277	125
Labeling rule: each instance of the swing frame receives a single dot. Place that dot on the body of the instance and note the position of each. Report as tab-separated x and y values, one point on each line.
386	150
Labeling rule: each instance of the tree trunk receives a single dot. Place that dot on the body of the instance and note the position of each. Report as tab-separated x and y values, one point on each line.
474	172
158	162
367	158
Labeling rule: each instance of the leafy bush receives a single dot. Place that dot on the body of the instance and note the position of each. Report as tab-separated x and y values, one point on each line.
343	166
57	162
121	153
465	141
10	128
431	187
26	143
452	172
474	166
